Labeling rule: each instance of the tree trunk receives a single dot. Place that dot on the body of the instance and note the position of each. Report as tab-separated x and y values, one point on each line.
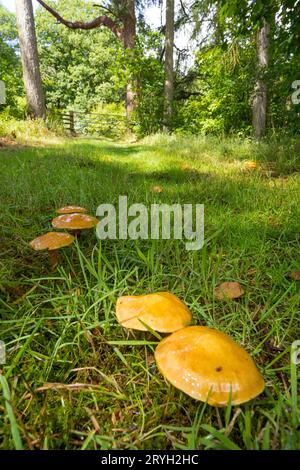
129	35
169	65
261	90
30	59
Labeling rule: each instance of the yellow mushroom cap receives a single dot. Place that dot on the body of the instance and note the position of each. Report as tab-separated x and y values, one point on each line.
250	165
75	221
52	241
71	210
209	366
161	311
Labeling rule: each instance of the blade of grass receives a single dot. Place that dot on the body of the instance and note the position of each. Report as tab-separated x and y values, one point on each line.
10	413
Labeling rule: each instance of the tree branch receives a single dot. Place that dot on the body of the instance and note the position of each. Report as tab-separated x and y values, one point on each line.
113	13
183	9
100	21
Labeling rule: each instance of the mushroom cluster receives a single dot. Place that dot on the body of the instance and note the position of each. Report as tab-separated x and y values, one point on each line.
73	218
200	361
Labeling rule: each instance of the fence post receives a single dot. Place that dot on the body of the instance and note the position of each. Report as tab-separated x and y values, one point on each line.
72	122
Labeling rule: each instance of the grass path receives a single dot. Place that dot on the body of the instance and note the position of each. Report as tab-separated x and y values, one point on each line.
59	327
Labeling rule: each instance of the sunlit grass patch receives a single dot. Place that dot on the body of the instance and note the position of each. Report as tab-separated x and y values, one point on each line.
60	328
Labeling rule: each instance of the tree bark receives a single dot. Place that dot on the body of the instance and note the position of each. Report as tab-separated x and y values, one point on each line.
261	89
30	59
169	65
129	35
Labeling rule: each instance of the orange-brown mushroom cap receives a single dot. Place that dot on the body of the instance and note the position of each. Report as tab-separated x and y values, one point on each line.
161	311
209	366
75	221
71	210
229	290
52	241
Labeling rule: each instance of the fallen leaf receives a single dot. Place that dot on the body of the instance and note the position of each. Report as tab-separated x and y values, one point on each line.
229	290
116	417
62	386
295	275
93	419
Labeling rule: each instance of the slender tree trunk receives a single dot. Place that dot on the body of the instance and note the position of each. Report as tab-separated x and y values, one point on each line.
261	89
30	59
129	35
169	65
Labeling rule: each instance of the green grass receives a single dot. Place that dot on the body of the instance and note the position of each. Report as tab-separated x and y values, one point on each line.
59	327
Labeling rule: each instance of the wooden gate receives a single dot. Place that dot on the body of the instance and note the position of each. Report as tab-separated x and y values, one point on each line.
97	124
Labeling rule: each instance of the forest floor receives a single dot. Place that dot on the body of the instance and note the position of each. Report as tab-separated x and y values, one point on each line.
59	326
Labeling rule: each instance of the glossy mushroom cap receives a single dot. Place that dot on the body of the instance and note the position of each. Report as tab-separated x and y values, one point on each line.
75	221
71	210
52	241
209	366
161	311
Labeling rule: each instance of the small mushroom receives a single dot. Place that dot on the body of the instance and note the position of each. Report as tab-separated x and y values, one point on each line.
71	210
161	311
209	366
156	189
52	241
250	165
75	222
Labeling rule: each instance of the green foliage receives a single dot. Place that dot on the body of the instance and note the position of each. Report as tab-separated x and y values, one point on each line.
10	67
220	95
27	129
148	71
79	68
226	67
83	70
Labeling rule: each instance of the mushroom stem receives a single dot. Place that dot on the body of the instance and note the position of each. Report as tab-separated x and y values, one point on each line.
77	233
54	257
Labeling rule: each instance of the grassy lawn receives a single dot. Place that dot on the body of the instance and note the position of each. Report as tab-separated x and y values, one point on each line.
59	326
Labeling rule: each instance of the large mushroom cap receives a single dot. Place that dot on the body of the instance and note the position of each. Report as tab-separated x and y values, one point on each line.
52	241
71	210
209	366
161	311
75	221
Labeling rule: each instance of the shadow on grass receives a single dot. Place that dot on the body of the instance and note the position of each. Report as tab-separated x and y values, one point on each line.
35	181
